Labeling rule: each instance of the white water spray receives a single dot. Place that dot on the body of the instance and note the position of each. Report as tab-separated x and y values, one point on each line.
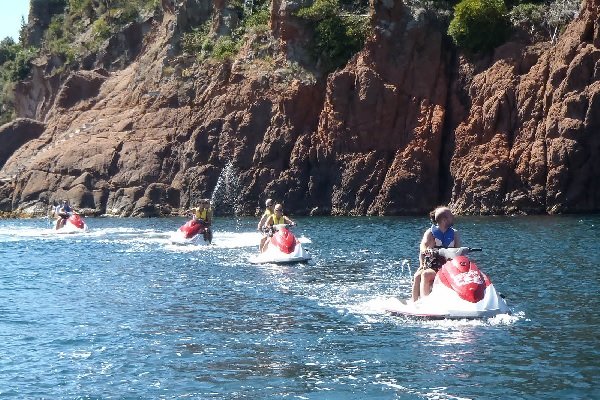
225	196
406	263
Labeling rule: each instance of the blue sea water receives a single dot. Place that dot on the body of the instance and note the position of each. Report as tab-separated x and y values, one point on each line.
121	313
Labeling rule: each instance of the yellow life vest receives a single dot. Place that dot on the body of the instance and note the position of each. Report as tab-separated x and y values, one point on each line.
278	221
267	213
202	214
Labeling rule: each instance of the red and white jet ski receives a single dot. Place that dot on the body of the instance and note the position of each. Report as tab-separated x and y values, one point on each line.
73	224
190	232
282	248
460	291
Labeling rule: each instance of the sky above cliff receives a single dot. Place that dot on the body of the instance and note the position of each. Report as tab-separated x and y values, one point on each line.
10	17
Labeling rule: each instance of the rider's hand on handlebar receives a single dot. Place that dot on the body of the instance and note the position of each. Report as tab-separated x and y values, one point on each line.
429	252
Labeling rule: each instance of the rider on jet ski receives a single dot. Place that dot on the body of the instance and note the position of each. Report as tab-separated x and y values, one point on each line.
204	213
63	211
441	234
277	218
269	204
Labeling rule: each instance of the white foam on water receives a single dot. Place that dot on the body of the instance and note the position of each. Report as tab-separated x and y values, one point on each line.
25	232
304	240
221	240
232	240
506	319
118	231
377	306
373	302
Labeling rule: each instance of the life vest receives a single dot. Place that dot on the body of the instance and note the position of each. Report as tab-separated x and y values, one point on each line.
203	215
64	211
267	213
278	221
443	239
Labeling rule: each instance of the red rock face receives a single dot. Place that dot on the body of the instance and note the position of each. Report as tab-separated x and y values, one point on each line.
531	142
15	134
380	131
406	125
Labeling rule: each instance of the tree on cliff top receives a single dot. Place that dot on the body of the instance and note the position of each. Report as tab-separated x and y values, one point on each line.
338	35
544	20
479	25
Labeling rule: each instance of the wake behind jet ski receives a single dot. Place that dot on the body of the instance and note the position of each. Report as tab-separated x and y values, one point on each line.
460	291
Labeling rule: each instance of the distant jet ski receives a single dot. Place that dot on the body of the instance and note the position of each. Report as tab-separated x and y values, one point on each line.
460	291
282	248
73	224
192	232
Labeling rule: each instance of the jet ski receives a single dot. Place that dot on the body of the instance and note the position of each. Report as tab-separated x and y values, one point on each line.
282	248
460	291
192	232
73	224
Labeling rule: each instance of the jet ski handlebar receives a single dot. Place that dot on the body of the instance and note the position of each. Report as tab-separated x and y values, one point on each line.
275	228
279	226
452	252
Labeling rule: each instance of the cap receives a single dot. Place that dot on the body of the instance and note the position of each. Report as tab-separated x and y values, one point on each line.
269	202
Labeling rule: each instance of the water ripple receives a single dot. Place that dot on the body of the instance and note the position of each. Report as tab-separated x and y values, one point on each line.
121	312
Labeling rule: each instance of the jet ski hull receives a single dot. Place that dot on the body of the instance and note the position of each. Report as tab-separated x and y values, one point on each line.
406	308
73	224
181	238
276	259
460	291
283	248
192	232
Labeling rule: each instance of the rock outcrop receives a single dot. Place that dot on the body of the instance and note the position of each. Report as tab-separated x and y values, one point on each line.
15	134
380	133
40	16
407	124
531	142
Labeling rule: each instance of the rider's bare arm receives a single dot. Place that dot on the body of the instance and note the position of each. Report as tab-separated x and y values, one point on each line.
428	242
456	239
261	223
288	221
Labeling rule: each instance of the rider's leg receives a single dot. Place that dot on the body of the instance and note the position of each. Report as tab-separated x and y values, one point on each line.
416	287
262	244
427	278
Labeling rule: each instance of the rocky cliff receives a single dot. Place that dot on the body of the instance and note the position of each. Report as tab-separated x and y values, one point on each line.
408	123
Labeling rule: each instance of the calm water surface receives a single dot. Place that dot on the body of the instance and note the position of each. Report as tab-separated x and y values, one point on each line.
120	312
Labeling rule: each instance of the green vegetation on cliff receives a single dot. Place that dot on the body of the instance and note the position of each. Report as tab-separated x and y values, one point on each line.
86	24
205	44
69	30
338	34
339	31
75	28
542	20
14	66
479	24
